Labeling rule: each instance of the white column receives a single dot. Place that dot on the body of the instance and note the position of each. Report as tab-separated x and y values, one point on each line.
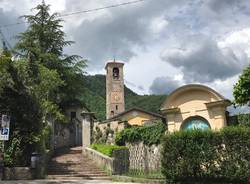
86	130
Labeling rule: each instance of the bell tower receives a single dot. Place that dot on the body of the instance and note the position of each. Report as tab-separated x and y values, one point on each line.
115	103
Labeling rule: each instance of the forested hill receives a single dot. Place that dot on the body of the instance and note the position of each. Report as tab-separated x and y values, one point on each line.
95	97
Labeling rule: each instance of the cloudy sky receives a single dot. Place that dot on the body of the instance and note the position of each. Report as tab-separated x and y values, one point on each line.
164	43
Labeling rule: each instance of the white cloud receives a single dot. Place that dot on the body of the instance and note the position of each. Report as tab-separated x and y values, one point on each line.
138	33
158	24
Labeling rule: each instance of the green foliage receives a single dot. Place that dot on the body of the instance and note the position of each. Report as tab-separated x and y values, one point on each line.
244	119
47	131
206	156
107	149
149	103
94	96
58	76
37	85
242	88
147	134
26	117
98	136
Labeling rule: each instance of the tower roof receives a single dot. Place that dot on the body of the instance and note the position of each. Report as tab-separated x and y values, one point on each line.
114	63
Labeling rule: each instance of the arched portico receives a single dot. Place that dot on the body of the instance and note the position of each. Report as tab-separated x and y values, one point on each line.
195	100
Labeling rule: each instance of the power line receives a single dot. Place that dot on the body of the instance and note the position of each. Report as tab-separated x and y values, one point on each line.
102	8
83	11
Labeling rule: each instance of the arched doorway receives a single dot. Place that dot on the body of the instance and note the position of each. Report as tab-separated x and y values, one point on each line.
195	122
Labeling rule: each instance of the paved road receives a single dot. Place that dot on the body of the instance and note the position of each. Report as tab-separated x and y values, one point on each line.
63	182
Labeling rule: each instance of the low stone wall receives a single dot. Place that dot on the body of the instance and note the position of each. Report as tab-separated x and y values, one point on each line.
18	173
143	157
118	164
28	173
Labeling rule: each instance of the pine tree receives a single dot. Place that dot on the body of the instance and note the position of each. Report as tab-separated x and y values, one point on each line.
43	43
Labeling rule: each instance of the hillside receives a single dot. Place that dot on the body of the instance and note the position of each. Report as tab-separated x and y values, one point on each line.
95	97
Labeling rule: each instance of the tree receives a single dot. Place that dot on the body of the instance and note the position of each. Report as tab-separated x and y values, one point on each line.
43	44
37	85
26	123
242	88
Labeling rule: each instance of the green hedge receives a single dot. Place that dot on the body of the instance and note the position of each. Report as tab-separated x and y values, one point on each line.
107	149
151	134
244	119
207	157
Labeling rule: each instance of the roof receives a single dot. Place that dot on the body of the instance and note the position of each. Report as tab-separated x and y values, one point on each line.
135	109
190	87
114	63
81	105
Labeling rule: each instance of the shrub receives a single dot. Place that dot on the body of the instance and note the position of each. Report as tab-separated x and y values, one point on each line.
207	156
107	149
148	134
244	119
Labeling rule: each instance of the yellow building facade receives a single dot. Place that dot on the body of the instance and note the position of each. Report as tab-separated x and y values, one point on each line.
195	106
137	117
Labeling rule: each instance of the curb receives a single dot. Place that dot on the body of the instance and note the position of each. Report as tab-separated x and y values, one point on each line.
137	180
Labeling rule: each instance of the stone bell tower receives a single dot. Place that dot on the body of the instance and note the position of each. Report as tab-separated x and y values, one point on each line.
115	103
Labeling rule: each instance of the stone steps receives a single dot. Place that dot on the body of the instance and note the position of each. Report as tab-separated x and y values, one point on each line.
71	164
68	177
77	173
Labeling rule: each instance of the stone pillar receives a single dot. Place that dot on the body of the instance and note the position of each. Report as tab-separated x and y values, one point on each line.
86	130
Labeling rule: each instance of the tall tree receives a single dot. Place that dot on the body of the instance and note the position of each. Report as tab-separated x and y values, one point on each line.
38	84
242	88
43	43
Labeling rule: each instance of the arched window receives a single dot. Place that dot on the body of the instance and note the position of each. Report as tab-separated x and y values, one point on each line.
115	73
195	122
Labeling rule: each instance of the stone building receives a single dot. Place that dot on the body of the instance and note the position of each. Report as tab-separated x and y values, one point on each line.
77	131
195	106
115	103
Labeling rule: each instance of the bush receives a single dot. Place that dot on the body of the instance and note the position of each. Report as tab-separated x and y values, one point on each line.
207	156
147	134
107	149
244	119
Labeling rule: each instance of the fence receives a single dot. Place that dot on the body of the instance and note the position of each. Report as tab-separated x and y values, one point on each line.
144	161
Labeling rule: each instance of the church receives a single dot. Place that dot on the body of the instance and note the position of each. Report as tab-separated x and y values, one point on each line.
193	106
188	107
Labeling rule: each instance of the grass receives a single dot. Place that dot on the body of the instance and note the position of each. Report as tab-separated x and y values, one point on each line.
142	174
107	149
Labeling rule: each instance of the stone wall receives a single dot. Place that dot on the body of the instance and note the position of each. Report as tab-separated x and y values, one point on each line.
103	127
117	164
143	157
18	173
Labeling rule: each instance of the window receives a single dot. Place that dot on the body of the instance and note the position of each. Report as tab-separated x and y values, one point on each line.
195	122
112	113
72	115
116	107
115	73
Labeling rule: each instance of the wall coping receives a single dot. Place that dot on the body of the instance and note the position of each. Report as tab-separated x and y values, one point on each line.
99	154
118	164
